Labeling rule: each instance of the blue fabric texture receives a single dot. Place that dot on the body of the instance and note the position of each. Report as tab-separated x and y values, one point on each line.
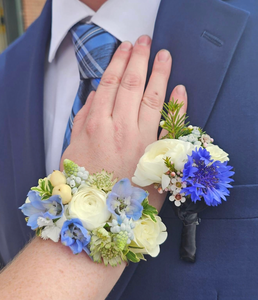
214	48
94	48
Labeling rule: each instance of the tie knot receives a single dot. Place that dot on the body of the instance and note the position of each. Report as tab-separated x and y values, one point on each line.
94	48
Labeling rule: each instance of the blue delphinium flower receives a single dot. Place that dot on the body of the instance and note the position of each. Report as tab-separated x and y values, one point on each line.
206	178
75	236
51	208
127	199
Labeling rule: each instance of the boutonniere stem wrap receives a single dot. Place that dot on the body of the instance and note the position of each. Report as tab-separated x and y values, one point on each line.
188	165
112	221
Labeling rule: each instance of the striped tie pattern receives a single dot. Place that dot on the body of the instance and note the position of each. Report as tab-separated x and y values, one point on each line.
94	48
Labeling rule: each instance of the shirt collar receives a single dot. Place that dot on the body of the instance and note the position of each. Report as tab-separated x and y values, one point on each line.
125	19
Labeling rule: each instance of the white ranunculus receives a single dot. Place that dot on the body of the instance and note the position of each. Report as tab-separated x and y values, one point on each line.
151	165
217	153
89	205
149	235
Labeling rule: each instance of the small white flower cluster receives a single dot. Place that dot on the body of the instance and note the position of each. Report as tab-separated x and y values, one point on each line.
77	179
193	137
172	182
196	138
127	226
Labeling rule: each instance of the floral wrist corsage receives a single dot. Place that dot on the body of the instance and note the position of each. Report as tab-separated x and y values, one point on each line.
190	167
111	221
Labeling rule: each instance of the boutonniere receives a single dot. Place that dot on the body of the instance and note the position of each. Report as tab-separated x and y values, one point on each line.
187	164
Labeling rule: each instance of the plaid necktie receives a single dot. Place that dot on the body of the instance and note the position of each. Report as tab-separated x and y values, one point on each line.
94	48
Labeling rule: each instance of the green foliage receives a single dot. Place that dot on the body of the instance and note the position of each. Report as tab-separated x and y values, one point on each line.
38	231
44	188
173	122
132	257
140	256
169	165
148	210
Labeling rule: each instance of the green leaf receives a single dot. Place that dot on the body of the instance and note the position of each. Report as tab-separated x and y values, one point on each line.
132	257
50	187
39	231
41	184
107	227
44	188
149	210
135	247
140	256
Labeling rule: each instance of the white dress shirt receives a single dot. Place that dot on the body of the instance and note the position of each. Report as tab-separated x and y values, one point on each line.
125	19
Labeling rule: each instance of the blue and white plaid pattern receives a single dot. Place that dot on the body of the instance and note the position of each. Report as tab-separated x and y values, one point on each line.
94	48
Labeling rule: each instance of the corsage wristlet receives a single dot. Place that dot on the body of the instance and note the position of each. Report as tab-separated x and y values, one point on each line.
190	167
111	221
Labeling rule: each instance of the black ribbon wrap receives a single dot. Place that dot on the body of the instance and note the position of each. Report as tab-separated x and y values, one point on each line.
188	213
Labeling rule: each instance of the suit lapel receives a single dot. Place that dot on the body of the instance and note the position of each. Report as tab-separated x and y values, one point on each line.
21	128
25	101
202	37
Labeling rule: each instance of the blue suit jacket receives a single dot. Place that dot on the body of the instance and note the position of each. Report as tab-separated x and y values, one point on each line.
214	48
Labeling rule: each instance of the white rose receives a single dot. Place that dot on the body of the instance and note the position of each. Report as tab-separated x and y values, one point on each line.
89	205
149	235
151	165
217	153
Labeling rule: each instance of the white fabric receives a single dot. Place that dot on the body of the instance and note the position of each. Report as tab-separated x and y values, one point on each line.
125	19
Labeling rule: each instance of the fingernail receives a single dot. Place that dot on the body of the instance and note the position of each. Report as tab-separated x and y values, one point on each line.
181	90
126	46
144	40
163	55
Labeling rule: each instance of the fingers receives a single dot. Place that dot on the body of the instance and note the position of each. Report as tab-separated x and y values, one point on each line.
131	89
110	81
153	98
178	93
80	117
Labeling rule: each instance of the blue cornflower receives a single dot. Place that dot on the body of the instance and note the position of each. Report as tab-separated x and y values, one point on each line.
51	208
75	236
206	178
127	199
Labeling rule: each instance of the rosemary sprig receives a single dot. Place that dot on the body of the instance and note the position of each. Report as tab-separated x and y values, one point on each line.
173	122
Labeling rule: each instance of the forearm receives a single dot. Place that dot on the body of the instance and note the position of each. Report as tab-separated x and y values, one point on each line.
50	270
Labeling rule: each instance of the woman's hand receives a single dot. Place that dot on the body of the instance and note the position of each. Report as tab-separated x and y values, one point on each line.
121	119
